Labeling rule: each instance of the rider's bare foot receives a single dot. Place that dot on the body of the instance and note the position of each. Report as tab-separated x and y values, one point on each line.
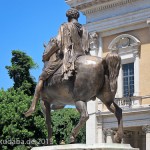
29	112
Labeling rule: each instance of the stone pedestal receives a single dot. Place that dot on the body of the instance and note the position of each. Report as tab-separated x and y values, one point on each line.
102	146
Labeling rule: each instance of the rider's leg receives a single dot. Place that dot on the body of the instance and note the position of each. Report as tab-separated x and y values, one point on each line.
35	98
48	71
38	89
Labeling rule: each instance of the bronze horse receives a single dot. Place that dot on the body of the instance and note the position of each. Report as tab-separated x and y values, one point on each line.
95	77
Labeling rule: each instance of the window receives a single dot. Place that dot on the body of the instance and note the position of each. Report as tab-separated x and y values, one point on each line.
128	79
128	47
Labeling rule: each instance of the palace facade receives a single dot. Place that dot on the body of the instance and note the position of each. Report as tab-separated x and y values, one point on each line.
122	26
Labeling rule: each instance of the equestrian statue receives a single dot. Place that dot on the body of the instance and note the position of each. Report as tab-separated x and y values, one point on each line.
71	76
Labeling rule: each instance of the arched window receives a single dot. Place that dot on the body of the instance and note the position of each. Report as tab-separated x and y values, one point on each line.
128	47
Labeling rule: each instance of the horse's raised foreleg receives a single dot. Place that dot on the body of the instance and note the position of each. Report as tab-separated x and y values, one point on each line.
114	108
46	111
81	107
107	97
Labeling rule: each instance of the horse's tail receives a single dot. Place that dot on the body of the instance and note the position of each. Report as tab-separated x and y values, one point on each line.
112	63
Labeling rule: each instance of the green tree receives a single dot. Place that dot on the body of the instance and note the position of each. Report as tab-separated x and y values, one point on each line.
63	121
16	100
15	126
19	71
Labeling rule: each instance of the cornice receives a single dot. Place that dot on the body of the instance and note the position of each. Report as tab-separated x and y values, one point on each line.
104	6
91	6
130	19
80	3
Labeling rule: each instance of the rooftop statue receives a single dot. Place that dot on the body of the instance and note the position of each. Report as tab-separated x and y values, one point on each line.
72	76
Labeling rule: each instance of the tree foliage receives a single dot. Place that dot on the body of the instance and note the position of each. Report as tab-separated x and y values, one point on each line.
14	125
63	121
19	71
32	131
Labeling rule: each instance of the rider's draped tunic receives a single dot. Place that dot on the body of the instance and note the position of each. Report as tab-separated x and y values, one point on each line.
73	41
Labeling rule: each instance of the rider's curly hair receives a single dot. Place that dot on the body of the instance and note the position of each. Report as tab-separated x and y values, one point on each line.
72	13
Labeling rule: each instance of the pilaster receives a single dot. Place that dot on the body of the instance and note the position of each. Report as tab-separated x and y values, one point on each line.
146	129
91	124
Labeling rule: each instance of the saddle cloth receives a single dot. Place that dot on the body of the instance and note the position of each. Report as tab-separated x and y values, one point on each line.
58	77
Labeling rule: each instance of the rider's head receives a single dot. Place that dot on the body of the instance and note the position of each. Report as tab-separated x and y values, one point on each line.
72	14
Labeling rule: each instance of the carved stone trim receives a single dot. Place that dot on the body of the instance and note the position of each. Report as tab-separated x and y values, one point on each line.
86	6
104	6
146	128
108	132
94	43
126	22
123	41
82	4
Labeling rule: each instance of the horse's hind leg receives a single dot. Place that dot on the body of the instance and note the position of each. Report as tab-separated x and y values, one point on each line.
114	108
46	111
81	107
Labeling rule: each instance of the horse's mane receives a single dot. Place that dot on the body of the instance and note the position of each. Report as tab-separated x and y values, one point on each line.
111	64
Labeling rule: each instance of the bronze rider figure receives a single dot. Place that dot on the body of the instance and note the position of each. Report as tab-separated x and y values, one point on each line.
72	41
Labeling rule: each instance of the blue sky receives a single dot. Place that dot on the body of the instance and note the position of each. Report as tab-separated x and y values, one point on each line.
26	25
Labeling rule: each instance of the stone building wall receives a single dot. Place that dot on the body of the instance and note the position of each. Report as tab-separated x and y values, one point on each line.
110	20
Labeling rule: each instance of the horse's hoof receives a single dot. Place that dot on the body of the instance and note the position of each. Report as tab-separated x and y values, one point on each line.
117	138
72	140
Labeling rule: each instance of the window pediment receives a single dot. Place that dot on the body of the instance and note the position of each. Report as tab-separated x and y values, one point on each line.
124	41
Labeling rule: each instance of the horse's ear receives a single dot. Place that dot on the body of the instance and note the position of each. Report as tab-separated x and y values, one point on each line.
44	44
